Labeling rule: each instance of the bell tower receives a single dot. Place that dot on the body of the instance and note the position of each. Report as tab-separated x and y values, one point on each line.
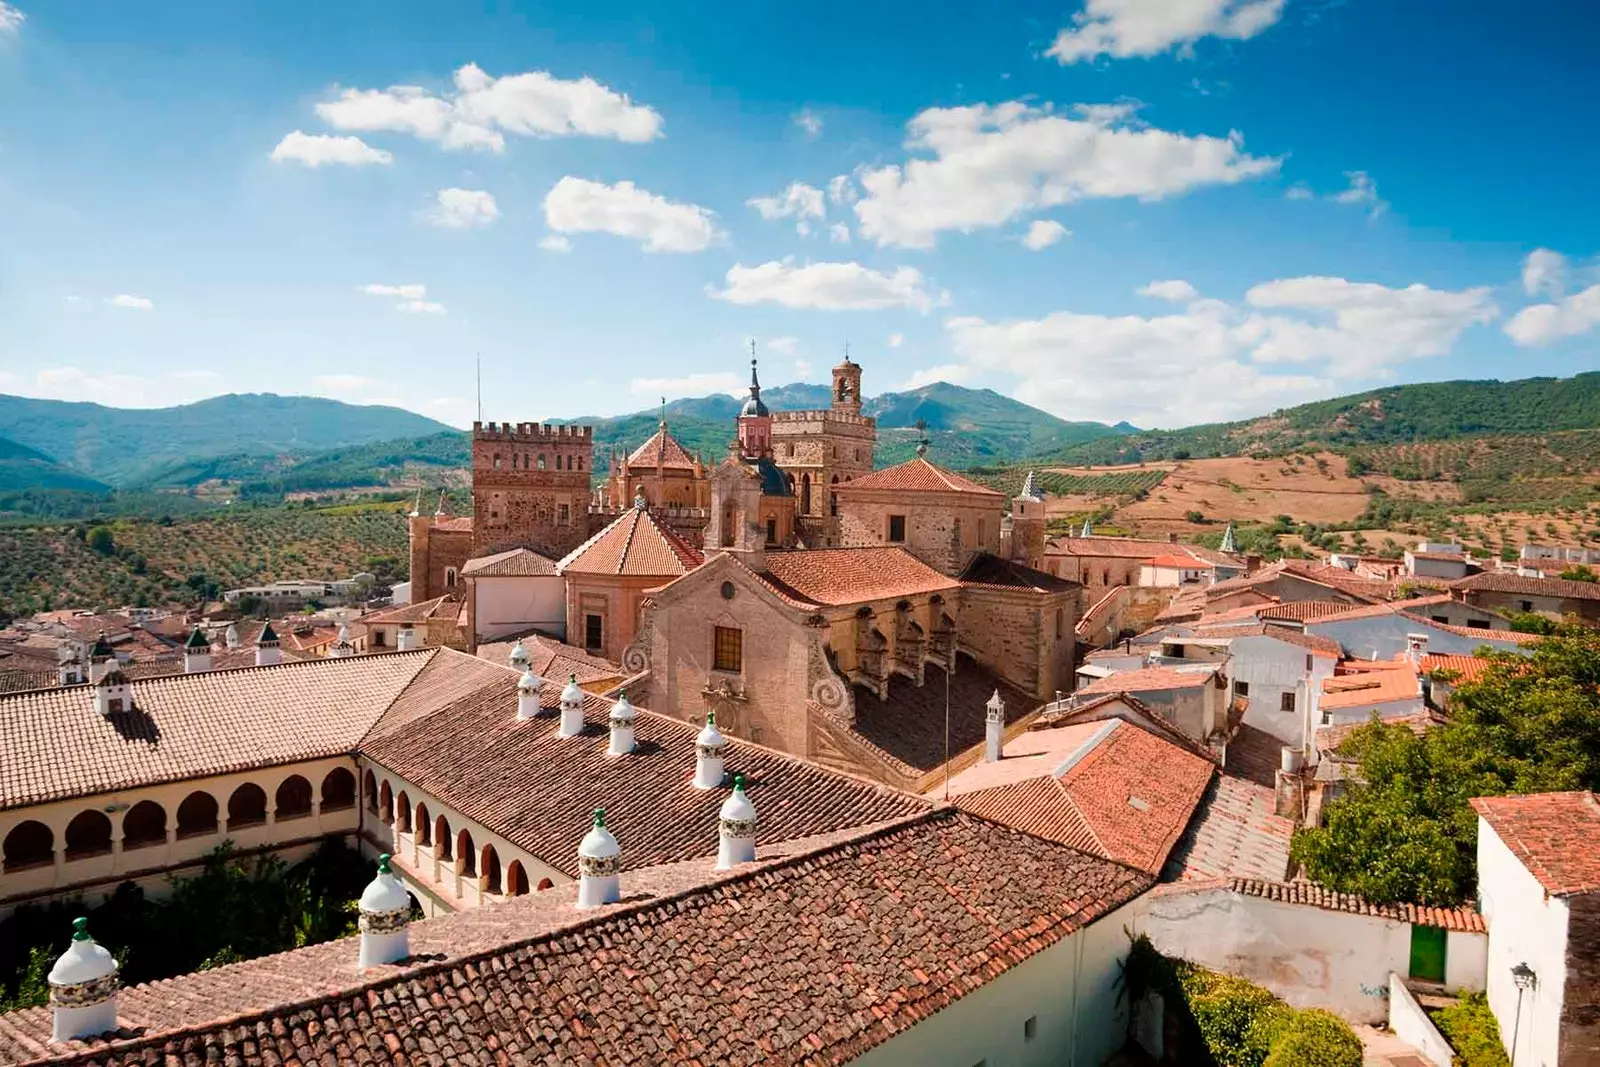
847	387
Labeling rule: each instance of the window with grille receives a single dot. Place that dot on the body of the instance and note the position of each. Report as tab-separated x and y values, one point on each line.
727	649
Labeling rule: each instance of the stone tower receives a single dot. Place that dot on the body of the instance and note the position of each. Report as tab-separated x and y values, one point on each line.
530	487
1028	523
820	449
847	387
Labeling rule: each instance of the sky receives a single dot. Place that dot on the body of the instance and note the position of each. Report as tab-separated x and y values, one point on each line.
1159	211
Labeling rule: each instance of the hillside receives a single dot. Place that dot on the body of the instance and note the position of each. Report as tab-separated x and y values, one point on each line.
22	467
119	445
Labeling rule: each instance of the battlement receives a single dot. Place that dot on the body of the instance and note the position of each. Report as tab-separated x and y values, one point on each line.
531	432
843	418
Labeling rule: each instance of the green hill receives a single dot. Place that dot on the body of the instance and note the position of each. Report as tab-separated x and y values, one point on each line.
120	445
22	467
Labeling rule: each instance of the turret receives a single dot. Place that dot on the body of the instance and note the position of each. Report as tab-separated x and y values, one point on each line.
736	828
385	912
267	651
622	716
528	695
196	653
1028	523
83	988
847	387
994	727
755	421
709	749
571	709
599	866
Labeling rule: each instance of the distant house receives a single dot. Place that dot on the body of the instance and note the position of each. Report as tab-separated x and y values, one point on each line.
1433	560
1173	570
1387	690
1192	698
1556	597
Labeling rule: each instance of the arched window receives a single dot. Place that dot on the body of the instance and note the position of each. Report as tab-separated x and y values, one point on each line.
371	783
197	815
805	494
449	577
402	813
29	844
247	806
424	826
466	854
580	463
144	825
338	790
516	880
545	883
293	799
441	834
490	866
385	802
88	834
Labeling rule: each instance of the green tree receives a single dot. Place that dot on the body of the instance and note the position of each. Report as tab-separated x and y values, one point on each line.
1580	573
101	540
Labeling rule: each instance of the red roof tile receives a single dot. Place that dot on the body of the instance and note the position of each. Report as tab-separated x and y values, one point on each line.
1504	582
1151	679
1235	833
549	658
995	573
842	576
636	544
442	607
1309	894
1342	692
919	476
1461	668
662	450
1172	560
1508	636
1553	834
1302	610
1331	738
512	563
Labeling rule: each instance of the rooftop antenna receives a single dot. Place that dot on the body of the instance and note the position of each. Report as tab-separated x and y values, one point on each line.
478	359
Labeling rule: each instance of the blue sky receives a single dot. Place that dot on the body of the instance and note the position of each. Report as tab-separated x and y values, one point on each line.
1166	211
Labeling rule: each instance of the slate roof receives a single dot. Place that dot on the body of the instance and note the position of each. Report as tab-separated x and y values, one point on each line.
1309	894
814	958
1553	834
1505	582
917	475
663	450
512	563
836	577
1235	833
636	543
993	572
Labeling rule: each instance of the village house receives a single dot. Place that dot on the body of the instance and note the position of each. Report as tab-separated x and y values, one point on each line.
1194	699
1516	594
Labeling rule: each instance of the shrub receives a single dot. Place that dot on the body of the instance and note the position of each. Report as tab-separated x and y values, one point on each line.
1315	1038
1195	517
1472	1031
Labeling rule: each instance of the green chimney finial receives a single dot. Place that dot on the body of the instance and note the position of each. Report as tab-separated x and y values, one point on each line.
80	929
600	817
383	864
738	783
711	717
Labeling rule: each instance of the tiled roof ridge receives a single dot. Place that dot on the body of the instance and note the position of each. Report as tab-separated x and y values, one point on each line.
580	925
627	540
1314	895
1513	636
575	554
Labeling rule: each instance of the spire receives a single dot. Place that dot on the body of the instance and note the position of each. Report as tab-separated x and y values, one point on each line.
83	988
710	747
444	504
416	505
385	910
599	865
1030	488
736	825
1229	544
197	641
571	709
196	653
267	651
1088	528
994	727
922	439
622	716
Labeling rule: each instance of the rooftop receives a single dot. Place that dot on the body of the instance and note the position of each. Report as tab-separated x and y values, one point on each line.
1553	834
995	573
1152	679
919	476
662	450
1506	582
552	659
512	563
1309	894
1235	833
636	544
833	577
1342	692
1182	562
440	607
1331	738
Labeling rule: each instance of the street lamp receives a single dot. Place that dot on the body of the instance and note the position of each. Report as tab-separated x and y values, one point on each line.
1525	979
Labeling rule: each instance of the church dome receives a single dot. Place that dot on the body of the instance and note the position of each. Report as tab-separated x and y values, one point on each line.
754	406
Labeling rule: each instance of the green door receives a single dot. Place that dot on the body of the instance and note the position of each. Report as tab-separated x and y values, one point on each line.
1427	953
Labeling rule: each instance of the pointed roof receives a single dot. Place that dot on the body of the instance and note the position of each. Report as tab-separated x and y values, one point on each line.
662	450
918	476
637	543
1030	488
197	642
267	636
1228	542
512	563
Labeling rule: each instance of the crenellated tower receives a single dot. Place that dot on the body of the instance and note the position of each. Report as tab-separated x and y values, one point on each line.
530	487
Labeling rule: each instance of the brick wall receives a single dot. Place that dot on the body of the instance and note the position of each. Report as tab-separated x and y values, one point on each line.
1580	1006
530	487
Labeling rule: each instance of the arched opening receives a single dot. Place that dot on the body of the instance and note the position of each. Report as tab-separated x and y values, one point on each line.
441	834
424	827
294	798
144	825
88	834
385	802
805	494
545	883
338	790
516	880
371	784
29	844
466	855
197	815
490	866
833	497
402	813
247	806
727	526
449	577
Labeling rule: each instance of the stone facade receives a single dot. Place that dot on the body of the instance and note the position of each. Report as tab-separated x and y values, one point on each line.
530	487
820	449
614	600
1025	636
944	530
439	547
1580	1006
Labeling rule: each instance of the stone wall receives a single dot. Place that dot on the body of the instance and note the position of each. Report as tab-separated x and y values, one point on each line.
616	600
1580	1006
944	530
530	487
1025	637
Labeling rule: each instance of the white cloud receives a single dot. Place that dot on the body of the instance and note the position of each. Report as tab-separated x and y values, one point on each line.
802	369
1176	290
193	375
482	109
315	149
786	346
800	202
839	233
1544	324
133	303
840	191
341	382
895	339
1544	273
421	307
576	205
953	373
1115	114
1043	233
1300	191
688	385
808	121
71	383
460	209
11	19
415	291
1124	28
1362	190
992	163
554	242
825	286
1213	360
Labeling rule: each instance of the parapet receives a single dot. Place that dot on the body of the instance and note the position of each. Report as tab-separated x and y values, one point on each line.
843	418
530	432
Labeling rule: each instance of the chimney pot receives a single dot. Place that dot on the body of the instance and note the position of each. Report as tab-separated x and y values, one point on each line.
528	695
622	716
519	656
994	727
571	708
83	988
385	912
710	747
599	865
736	825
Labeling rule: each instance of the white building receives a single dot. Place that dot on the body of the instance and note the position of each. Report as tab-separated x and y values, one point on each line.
514	592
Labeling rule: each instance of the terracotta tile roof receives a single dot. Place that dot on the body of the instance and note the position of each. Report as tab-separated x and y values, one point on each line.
1133	548
1235	833
919	476
1335	578
1202	629
442	607
1124	794
1331	738
907	730
1180	562
1309	894
549	658
192	725
1462	668
842	576
1504	582
1487	636
512	563
538	790
636	543
1553	834
996	573
1152	679
1342	692
1375	611
1253	755
857	940
662	450
1303	610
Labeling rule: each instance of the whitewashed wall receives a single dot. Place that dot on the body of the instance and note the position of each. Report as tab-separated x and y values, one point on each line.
1525	926
515	605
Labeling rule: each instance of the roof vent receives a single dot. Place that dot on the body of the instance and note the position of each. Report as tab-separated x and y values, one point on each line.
571	708
528	695
268	653
599	866
83	988
519	656
385	911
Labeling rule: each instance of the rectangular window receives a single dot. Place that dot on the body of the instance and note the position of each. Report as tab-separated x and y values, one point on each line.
1308	663
1482	624
772	531
593	632
377	638
1030	1027
1286	702
497	461
727	649
1241	689
897	528
1527	605
1440	618
564	514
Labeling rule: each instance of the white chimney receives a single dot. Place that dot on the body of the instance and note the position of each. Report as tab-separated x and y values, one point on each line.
385	911
231	637
519	657
112	693
196	653
736	825
69	668
571	709
528	695
406	639
994	727
1416	647
709	748
343	647
622	716
268	653
599	866
83	988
